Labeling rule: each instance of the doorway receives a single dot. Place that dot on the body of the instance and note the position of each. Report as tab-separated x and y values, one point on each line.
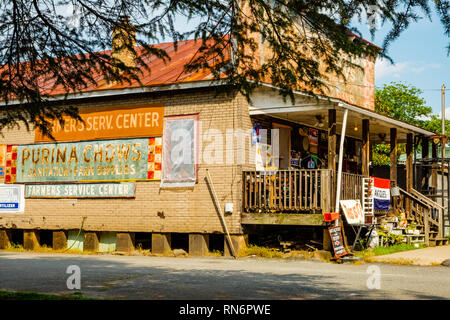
284	145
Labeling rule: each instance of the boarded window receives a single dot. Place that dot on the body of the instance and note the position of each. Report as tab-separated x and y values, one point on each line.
180	147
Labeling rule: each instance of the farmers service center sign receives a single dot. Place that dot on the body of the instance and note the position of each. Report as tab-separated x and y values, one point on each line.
108	123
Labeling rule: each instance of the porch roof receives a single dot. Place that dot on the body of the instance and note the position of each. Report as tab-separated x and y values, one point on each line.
313	112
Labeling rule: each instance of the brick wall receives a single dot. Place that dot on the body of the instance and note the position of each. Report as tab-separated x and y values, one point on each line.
184	209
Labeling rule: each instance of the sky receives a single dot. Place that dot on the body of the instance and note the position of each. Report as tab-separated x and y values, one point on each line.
419	55
420	59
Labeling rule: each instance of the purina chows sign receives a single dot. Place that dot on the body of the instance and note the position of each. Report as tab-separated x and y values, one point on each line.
103	160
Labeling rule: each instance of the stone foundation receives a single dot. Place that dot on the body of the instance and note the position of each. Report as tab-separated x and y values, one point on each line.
198	244
125	242
240	241
30	239
161	242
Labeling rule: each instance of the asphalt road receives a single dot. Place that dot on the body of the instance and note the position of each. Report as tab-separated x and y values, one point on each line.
144	277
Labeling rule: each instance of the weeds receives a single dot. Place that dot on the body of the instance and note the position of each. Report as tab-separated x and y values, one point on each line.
378	251
12	295
260	252
214	253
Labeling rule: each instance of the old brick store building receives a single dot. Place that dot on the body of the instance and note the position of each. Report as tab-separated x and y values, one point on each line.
113	182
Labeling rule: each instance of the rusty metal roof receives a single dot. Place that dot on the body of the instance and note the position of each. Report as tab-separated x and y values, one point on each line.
159	73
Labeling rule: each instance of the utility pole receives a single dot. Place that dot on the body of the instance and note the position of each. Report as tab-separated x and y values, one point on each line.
443	109
444	142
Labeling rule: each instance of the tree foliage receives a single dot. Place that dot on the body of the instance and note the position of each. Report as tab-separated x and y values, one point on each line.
404	102
41	48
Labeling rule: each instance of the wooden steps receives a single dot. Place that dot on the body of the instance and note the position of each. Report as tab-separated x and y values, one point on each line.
426	213
438	242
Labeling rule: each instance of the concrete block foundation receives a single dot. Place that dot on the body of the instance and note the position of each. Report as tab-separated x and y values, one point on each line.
198	244
30	239
327	246
125	241
161	242
5	239
90	241
59	240
240	241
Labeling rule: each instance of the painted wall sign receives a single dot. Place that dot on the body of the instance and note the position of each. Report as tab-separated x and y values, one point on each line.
106	160
9	154
81	190
2	162
109	123
12	198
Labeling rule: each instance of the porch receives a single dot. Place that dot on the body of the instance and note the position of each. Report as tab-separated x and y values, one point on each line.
296	190
336	137
294	196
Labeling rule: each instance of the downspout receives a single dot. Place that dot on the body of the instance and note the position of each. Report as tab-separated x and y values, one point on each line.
341	156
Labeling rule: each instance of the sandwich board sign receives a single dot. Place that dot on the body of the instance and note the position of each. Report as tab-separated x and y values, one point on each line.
336	240
353	211
12	198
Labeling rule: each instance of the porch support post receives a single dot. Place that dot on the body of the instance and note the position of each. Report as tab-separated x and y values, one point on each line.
434	169
409	162
332	139
341	156
409	169
394	156
365	148
425	169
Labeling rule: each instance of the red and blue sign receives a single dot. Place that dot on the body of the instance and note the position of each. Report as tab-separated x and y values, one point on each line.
381	194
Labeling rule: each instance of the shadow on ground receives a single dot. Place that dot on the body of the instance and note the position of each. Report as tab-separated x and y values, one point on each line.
106	279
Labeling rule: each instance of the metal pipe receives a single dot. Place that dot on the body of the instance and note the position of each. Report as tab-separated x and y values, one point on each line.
341	156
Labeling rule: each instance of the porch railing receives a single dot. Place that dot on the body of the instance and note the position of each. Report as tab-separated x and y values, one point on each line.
351	186
288	190
296	190
424	211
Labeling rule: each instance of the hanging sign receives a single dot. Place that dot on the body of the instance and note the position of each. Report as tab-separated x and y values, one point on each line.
353	211
381	194
81	190
106	160
313	140
108	123
336	240
12	198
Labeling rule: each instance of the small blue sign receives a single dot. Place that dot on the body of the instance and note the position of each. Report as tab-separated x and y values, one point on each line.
9	205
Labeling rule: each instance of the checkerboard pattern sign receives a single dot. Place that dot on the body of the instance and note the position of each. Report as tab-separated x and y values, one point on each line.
11	164
154	158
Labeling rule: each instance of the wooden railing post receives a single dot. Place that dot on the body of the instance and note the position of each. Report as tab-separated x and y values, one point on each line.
393	154
409	168
325	188
365	155
426	226
434	170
